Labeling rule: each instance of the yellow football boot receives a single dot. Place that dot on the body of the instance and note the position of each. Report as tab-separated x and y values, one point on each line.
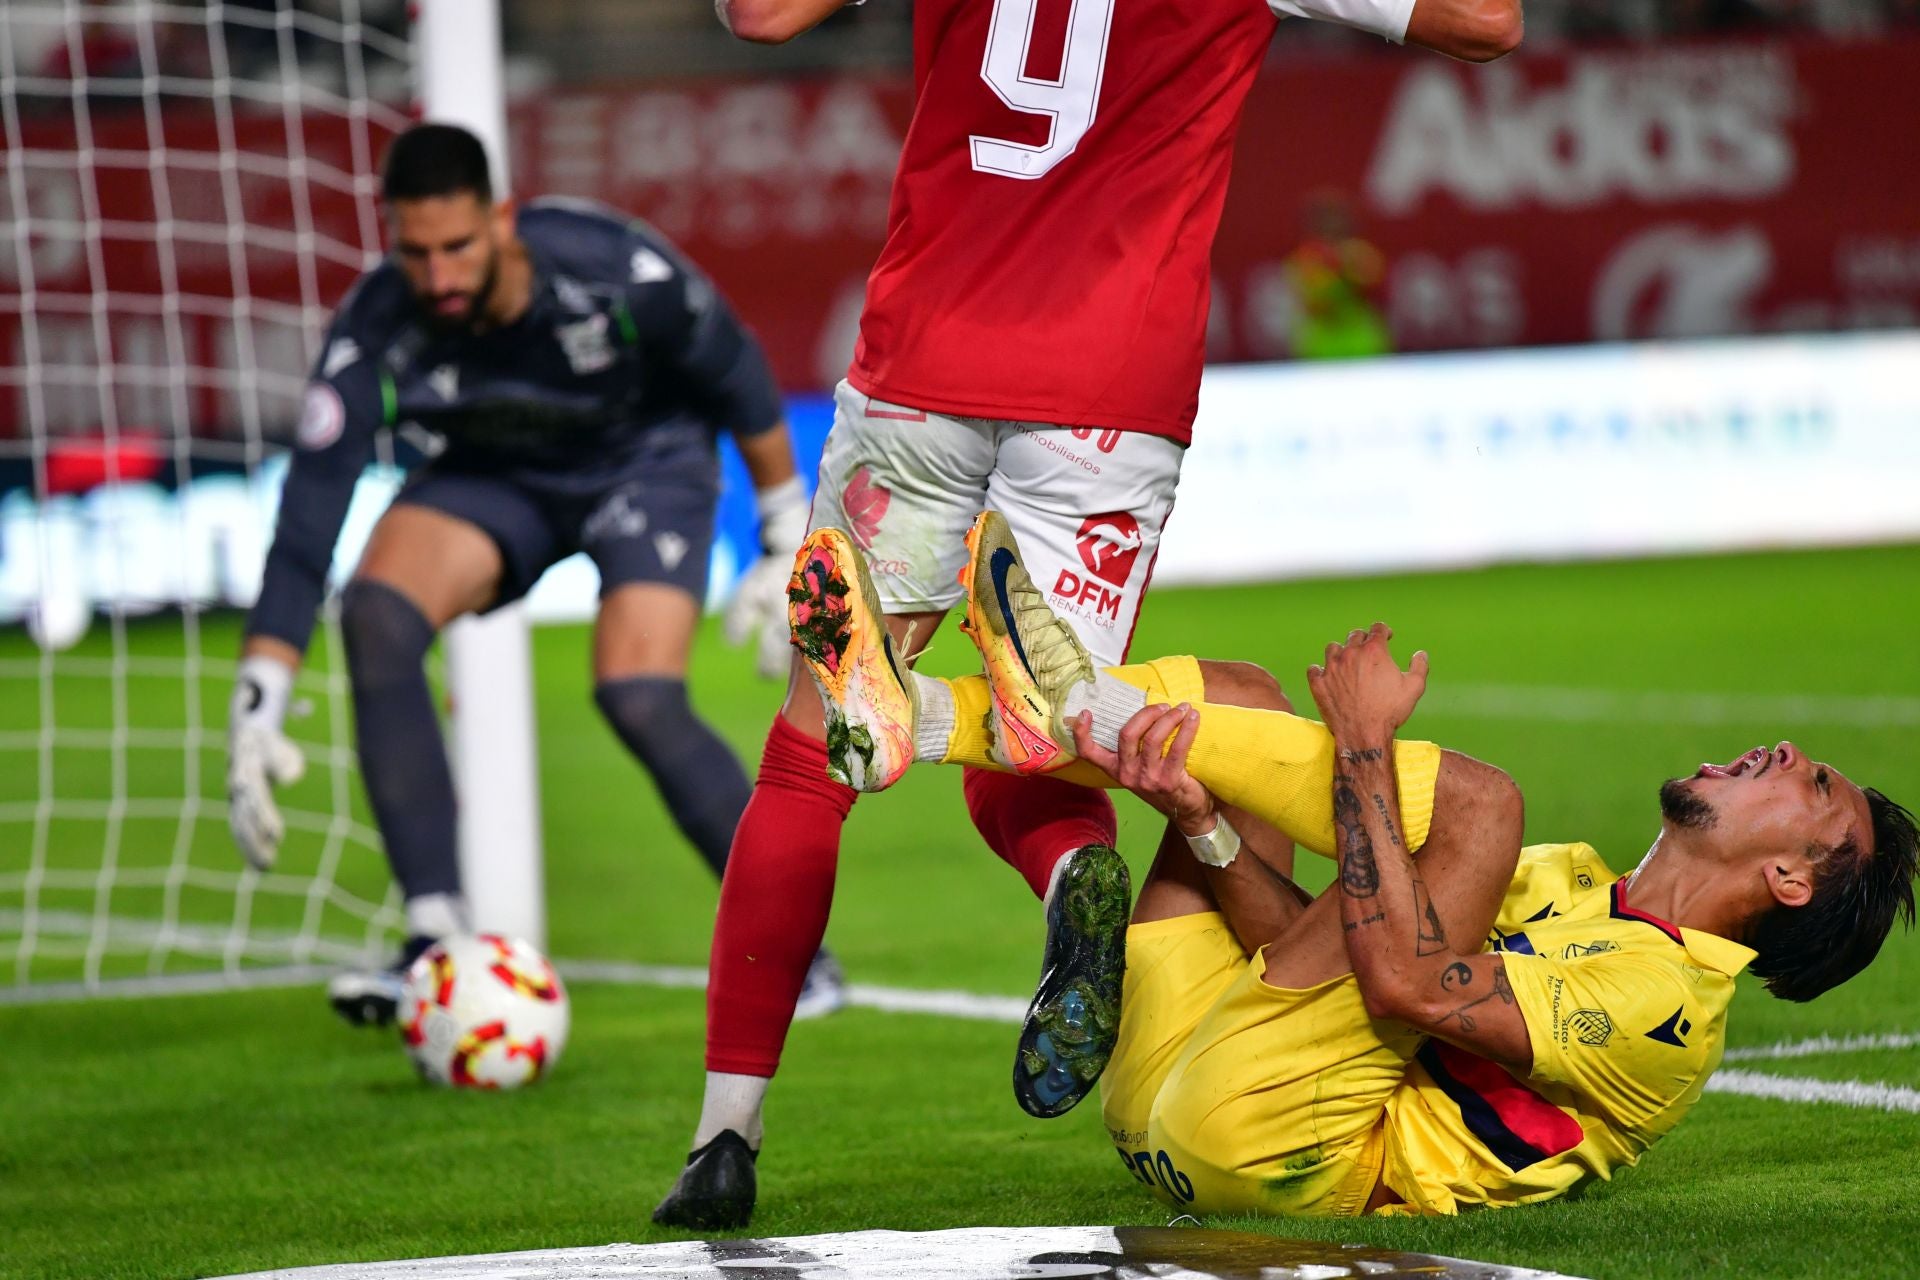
1033	660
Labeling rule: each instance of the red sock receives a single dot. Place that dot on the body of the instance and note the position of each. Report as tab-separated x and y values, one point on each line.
1030	822
774	901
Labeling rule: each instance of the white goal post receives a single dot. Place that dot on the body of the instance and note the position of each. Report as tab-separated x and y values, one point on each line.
489	660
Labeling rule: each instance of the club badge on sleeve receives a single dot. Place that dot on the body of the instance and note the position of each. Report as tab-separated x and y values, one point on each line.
322	417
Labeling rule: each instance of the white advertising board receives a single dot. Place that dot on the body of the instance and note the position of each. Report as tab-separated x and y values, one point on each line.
1429	461
1296	470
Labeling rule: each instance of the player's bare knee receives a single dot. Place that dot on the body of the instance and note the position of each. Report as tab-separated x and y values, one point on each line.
1484	797
1243	684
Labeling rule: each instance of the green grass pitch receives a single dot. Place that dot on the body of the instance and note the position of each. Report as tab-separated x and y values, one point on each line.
200	1135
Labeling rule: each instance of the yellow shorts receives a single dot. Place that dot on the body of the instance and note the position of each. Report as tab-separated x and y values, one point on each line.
1255	1099
1176	969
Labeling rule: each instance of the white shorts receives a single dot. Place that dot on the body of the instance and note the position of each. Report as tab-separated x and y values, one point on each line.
1086	506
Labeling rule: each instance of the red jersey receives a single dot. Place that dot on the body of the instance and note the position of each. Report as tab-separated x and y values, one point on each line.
1048	241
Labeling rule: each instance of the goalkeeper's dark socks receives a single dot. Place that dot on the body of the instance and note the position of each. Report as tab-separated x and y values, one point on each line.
699	777
1034	822
403	760
773	902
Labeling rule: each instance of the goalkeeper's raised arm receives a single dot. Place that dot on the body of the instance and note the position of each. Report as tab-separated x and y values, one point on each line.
575	371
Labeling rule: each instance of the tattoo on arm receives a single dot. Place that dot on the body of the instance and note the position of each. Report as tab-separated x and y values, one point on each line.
1458	976
1359	873
1375	918
1386	818
1364	754
1430	938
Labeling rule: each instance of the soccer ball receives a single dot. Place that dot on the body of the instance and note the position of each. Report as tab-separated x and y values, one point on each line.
483	1012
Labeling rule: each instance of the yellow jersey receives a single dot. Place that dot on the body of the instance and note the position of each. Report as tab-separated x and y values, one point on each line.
1627	1015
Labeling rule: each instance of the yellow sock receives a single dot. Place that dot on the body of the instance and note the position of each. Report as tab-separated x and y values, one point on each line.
971	742
1276	766
1279	767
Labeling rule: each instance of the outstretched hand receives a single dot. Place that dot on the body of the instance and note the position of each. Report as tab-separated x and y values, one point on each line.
757	615
1152	762
1363	695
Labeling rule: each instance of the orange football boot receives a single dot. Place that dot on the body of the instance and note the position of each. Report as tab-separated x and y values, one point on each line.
840	631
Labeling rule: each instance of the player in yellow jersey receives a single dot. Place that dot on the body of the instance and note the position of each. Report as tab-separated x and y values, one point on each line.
1458	1021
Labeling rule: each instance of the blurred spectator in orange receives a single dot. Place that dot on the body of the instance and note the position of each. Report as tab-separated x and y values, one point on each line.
1336	277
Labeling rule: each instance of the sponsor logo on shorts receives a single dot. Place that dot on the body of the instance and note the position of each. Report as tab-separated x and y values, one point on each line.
322	417
672	548
865	501
1108	545
1105	439
1052	441
1087	598
1157	1170
617	517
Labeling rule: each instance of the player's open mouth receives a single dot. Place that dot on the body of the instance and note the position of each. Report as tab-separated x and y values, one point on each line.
1758	758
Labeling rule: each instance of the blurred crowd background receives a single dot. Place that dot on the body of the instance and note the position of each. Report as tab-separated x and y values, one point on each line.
1640	169
574	42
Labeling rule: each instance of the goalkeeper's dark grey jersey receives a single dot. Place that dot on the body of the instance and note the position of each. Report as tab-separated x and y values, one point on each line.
626	352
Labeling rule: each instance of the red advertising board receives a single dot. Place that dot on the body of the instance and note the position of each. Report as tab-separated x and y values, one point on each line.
1637	192
1697	188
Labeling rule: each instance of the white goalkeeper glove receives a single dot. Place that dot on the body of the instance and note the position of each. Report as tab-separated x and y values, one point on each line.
259	758
758	614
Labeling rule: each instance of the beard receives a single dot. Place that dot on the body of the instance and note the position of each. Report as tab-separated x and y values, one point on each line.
465	321
1681	806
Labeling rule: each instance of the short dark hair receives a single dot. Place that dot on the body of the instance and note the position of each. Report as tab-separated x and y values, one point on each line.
1810	949
436	160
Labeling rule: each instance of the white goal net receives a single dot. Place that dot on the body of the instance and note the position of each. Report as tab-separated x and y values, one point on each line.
188	189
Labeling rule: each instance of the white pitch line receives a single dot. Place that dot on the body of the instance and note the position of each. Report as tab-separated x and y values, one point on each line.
947	1004
1571	705
1822	1044
1011	1009
213	982
1847	1093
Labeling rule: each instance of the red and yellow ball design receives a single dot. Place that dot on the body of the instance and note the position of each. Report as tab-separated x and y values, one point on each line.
483	1011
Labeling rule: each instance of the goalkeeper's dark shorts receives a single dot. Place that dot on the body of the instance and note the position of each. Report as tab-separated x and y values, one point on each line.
646	518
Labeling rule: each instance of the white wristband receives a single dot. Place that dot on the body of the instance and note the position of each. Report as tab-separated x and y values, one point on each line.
1217	847
260	693
784	512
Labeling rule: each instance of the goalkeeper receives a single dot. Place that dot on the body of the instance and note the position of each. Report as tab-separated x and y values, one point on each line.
578	372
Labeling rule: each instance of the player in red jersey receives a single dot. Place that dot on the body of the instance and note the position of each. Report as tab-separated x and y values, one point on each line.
1032	343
